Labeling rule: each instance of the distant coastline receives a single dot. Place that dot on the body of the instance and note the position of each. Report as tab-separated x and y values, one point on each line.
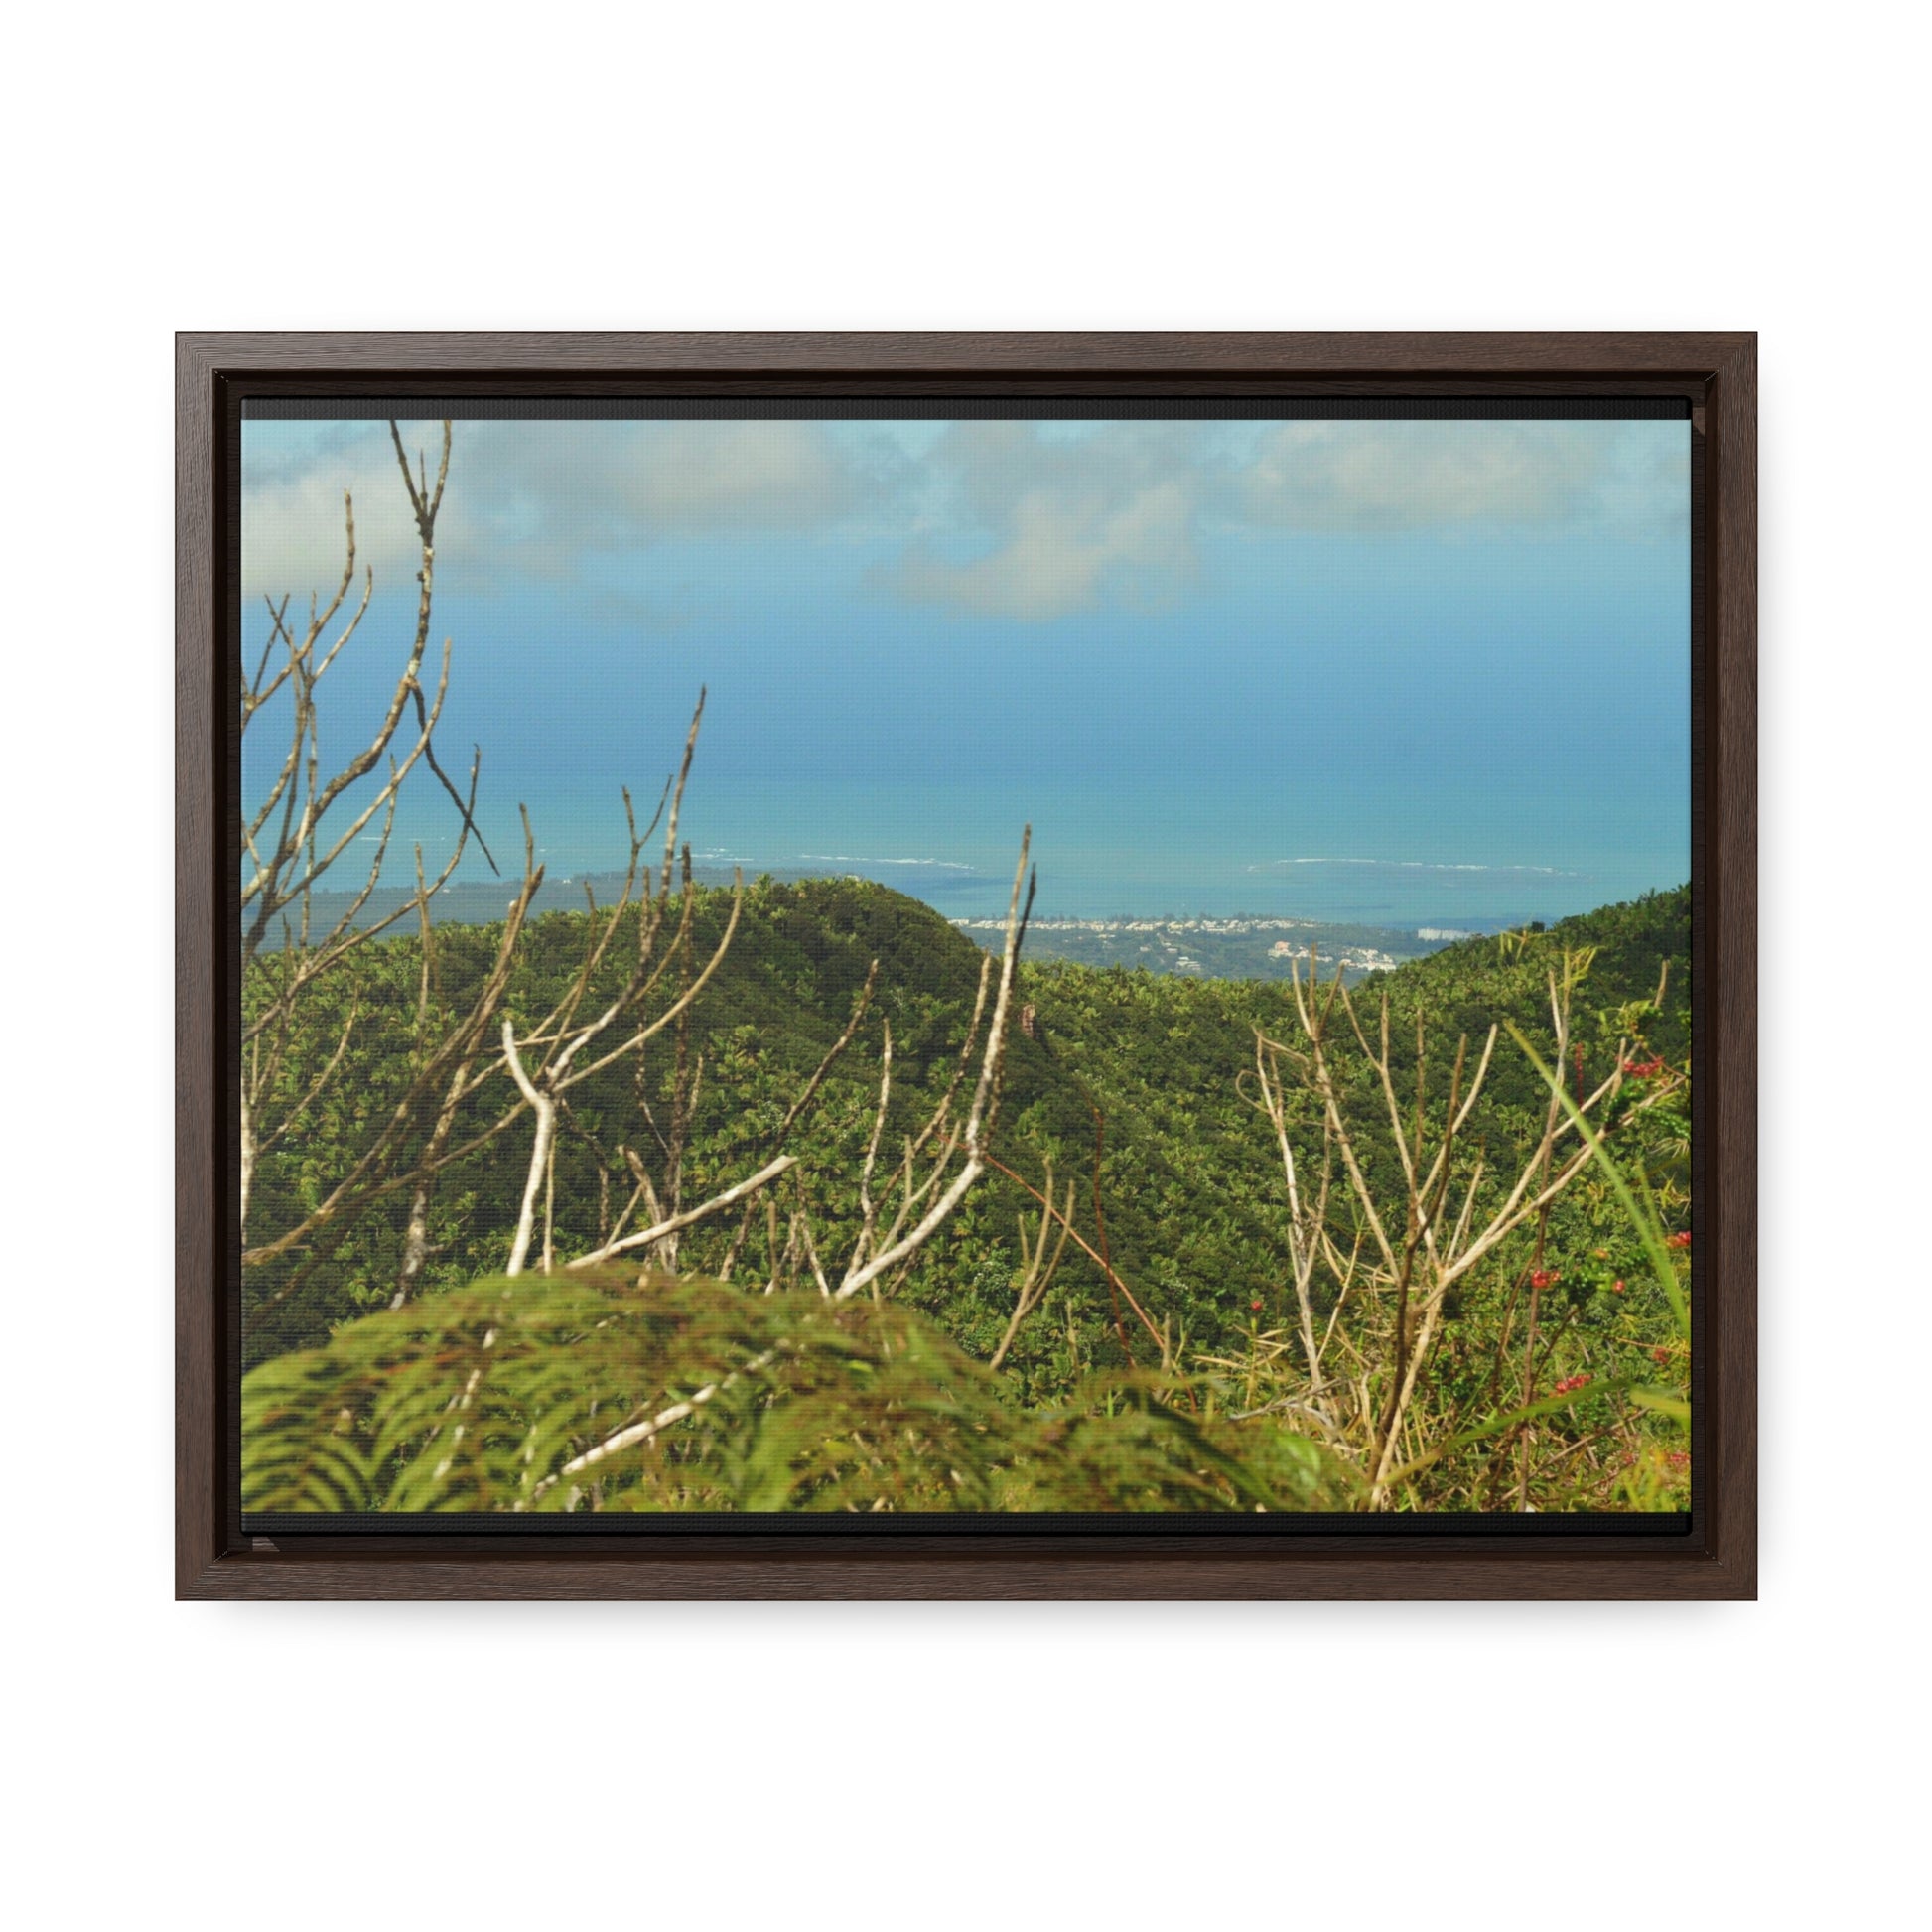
1239	946
1263	946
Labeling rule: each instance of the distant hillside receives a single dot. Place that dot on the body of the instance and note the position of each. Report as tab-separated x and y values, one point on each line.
1189	1164
1190	1183
1251	947
482	902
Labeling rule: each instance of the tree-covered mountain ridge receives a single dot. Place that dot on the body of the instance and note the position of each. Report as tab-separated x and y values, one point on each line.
1127	1098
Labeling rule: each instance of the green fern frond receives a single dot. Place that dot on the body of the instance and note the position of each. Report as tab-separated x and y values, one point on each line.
540	1393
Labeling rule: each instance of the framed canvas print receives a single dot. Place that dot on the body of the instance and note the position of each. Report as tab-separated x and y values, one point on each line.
966	965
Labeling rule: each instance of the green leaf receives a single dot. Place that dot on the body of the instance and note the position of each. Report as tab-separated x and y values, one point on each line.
1664	1403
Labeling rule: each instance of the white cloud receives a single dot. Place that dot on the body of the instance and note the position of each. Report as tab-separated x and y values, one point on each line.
531	499
613	483
1018	519
1107	516
1040	519
1058	554
1434	475
291	528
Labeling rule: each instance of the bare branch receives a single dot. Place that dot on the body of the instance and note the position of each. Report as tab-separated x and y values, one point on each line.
544	1106
985	1099
691	1216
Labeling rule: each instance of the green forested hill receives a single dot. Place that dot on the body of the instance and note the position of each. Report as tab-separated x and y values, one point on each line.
1193	1180
1190	1182
777	1004
1154	1074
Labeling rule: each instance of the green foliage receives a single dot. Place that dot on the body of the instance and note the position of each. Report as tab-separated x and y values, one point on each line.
1191	1179
481	1399
1189	1187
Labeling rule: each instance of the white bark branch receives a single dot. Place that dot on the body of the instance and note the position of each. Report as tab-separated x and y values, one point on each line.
691	1216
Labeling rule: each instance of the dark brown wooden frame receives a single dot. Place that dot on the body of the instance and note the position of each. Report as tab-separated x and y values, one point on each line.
1715	372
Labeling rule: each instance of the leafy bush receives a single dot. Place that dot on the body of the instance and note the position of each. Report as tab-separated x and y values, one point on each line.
593	1391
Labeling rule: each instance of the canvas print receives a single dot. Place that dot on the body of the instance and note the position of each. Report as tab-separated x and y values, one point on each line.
964	964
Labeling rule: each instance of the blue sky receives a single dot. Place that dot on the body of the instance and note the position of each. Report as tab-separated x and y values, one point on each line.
1453	645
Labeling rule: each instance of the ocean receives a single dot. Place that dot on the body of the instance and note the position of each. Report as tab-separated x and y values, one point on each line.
1502	739
1398	849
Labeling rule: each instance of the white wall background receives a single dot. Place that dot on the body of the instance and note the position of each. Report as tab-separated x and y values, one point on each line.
1000	165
